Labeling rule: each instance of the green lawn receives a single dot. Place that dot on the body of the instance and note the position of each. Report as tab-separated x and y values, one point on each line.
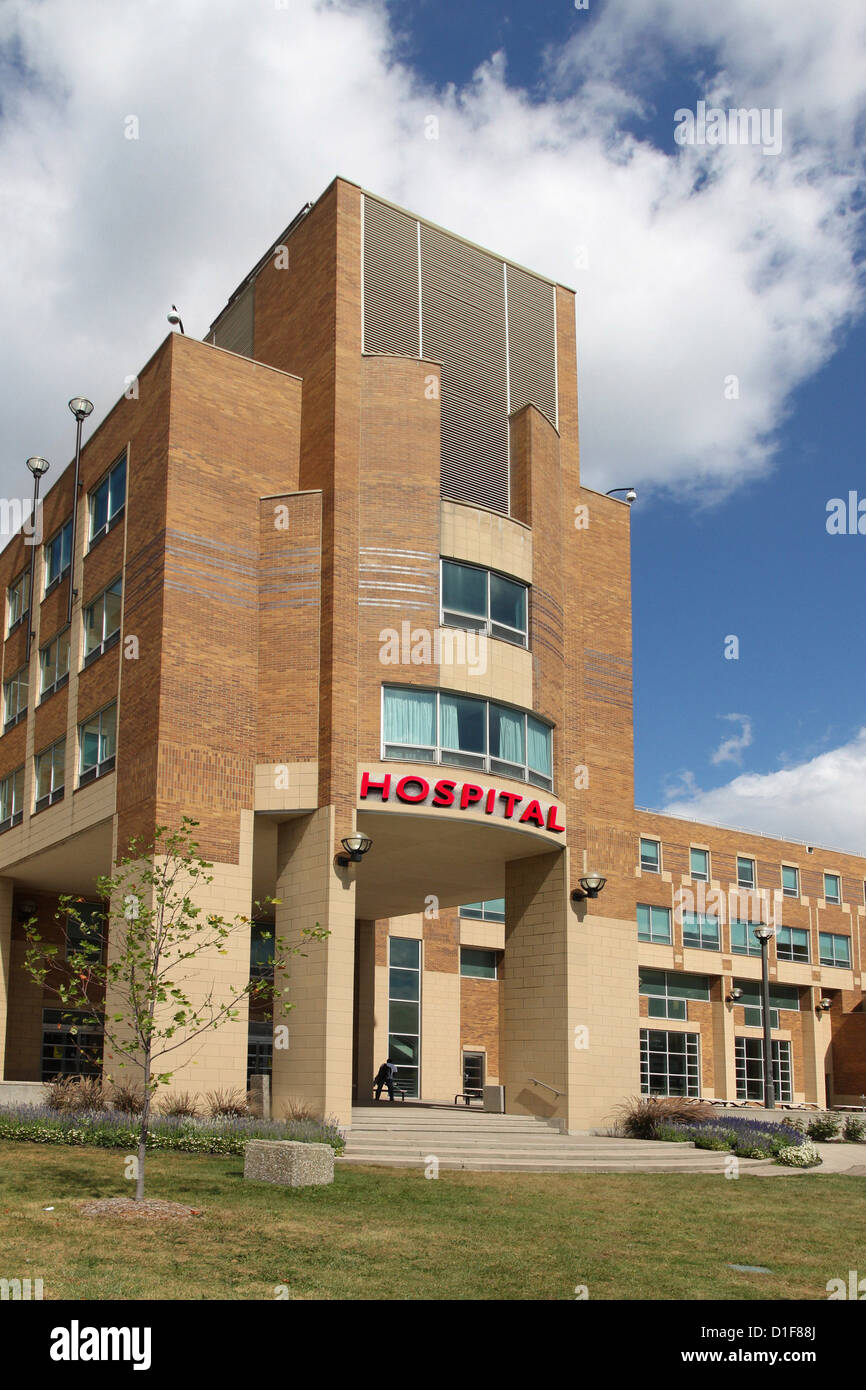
392	1234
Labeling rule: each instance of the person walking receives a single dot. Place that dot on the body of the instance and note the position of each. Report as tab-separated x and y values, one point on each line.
385	1077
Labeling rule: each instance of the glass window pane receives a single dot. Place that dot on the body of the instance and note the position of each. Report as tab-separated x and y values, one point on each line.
478	963
117	488
649	854
464	589
494	909
43	775
92	627
404	1050
62	654
405	952
410	716
403	984
539	747
699	863
507	602
99	508
403	1017
790	879
472	910
112	609
462	724
507	735
109	721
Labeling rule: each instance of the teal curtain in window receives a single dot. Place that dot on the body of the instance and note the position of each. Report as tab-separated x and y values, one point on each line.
506	735
539	747
410	718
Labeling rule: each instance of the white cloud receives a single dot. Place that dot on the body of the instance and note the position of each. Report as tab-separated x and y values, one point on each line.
730	750
702	264
823	799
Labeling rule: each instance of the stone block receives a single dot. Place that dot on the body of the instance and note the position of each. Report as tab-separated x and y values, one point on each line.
288	1163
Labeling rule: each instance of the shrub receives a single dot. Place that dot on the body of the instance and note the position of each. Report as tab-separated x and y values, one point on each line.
181	1105
128	1097
298	1110
70	1095
640	1115
799	1156
824	1127
109	1129
744	1137
855	1129
226	1103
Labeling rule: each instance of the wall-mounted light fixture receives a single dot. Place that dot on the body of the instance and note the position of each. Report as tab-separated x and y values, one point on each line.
175	319
824	1005
630	493
590	887
735	994
356	847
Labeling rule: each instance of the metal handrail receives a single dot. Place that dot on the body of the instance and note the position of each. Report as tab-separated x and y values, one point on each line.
535	1081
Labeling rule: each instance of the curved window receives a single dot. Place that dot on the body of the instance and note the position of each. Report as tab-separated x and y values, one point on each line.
483	601
435	726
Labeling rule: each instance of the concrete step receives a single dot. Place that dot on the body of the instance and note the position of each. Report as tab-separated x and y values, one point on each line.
470	1147
690	1164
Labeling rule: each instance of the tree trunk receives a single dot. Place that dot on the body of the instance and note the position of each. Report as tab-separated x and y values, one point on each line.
142	1133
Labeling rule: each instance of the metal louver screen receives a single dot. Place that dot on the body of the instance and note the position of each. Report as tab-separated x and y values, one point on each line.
463	323
234	331
390	280
491	325
531	343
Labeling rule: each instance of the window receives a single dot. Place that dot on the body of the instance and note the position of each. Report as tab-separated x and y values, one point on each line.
54	664
832	888
107	500
12	799
650	856
102	622
15	698
699	864
487	602
70	1047
701	931
743	939
58	556
459	730
790	881
18	599
97	744
492	910
792	943
834	950
745	872
668	991
50	768
669	1064
260	1050
478	964
653	923
404	1011
262	950
87	934
781	997
749	1062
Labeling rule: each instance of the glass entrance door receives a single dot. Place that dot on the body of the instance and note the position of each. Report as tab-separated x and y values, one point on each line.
473	1073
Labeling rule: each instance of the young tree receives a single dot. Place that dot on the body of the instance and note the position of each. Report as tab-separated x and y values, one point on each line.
136	981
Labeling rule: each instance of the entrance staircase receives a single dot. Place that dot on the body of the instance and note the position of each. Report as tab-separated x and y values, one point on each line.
409	1135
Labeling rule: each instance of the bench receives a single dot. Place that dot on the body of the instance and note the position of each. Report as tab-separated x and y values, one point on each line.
468	1096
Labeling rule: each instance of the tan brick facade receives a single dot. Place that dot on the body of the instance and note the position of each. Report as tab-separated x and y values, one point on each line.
284	521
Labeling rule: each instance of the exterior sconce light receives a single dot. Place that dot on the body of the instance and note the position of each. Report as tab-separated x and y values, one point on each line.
356	847
630	494
735	994
824	1005
590	887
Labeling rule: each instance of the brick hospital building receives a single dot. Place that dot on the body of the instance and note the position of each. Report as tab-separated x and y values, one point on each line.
370	595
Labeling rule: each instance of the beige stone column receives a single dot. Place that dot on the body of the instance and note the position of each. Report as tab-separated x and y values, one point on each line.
6	889
536	1017
724	1059
817	1040
365	1014
316	1064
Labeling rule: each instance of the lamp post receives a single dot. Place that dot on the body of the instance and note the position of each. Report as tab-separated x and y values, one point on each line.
81	408
764	935
38	467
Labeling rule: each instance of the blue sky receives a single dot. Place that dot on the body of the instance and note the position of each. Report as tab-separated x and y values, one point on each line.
555	139
760	565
